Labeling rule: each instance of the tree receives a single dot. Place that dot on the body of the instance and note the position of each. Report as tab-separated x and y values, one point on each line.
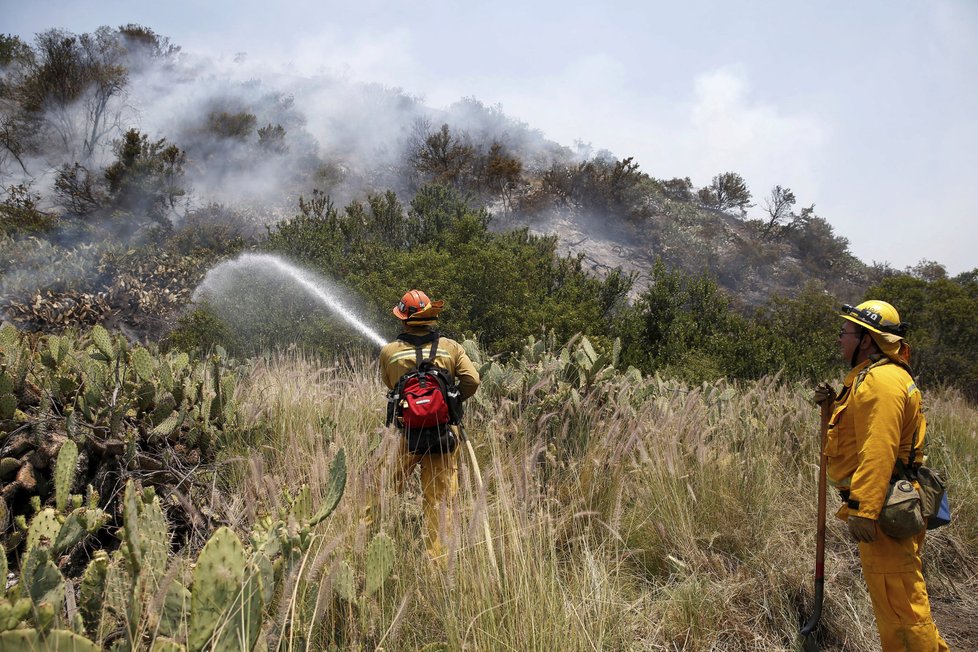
146	176
928	270
64	90
233	126
780	209
19	212
142	44
604	184
501	173
943	329
271	138
441	156
678	189
727	191
78	190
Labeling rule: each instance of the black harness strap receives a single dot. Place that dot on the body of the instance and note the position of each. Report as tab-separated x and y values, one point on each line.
419	354
418	340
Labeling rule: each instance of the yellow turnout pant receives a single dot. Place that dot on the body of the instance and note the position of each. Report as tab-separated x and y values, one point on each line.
892	569
439	485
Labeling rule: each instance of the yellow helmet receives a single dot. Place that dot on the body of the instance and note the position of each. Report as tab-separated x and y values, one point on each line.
876	316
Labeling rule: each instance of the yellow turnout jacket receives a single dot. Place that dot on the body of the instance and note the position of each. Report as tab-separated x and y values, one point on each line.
398	357
873	421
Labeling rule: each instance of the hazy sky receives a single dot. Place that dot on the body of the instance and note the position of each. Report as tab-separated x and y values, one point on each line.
867	109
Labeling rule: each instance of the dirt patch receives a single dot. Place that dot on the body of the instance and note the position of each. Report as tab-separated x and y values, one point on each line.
955	616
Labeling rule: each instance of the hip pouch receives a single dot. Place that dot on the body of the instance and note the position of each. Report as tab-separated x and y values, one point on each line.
902	514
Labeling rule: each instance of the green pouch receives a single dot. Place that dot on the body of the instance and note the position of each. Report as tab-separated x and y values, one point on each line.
902	514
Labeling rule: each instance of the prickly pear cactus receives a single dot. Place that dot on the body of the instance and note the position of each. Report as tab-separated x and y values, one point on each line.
380	562
103	342
334	488
20	640
44	585
143	364
8	401
91	593
64	474
344	581
176	607
43	528
13	612
226	601
164	644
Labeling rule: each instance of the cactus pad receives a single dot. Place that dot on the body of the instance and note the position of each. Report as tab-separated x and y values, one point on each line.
117	594
380	561
44	582
103	342
154	537
72	531
19	640
226	599
92	590
301	507
143	363
167	426
12	613
176	608
164	644
263	565
8	405
334	490
43	527
165	374
64	473
130	533
344	583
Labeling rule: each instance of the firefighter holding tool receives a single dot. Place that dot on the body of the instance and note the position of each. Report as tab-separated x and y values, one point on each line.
876	428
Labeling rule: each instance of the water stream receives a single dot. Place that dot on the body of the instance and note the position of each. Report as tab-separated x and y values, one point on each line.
315	286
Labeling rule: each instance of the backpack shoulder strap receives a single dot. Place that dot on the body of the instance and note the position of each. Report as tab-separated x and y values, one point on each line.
434	350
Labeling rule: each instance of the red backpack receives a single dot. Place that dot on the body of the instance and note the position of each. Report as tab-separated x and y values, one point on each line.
424	403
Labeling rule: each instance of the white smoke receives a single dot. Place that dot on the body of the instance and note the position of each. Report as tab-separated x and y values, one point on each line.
342	137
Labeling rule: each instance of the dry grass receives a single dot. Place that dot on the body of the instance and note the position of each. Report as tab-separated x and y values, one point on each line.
641	518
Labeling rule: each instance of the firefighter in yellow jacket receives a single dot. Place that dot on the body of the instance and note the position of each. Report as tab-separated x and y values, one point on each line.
439	470
873	423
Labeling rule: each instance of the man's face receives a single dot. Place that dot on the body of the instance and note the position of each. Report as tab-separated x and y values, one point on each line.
850	336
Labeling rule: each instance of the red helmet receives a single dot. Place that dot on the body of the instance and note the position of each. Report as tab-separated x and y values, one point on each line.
412	302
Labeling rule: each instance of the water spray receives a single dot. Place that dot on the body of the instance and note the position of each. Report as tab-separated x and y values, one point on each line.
313	285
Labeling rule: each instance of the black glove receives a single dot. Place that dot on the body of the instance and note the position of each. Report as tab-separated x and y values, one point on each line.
823	392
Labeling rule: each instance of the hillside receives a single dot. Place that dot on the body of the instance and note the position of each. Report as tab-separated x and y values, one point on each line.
235	150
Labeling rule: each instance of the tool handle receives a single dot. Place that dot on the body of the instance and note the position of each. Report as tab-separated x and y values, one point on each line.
808	627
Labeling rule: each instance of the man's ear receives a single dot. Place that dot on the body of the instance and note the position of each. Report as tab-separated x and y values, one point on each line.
866	342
